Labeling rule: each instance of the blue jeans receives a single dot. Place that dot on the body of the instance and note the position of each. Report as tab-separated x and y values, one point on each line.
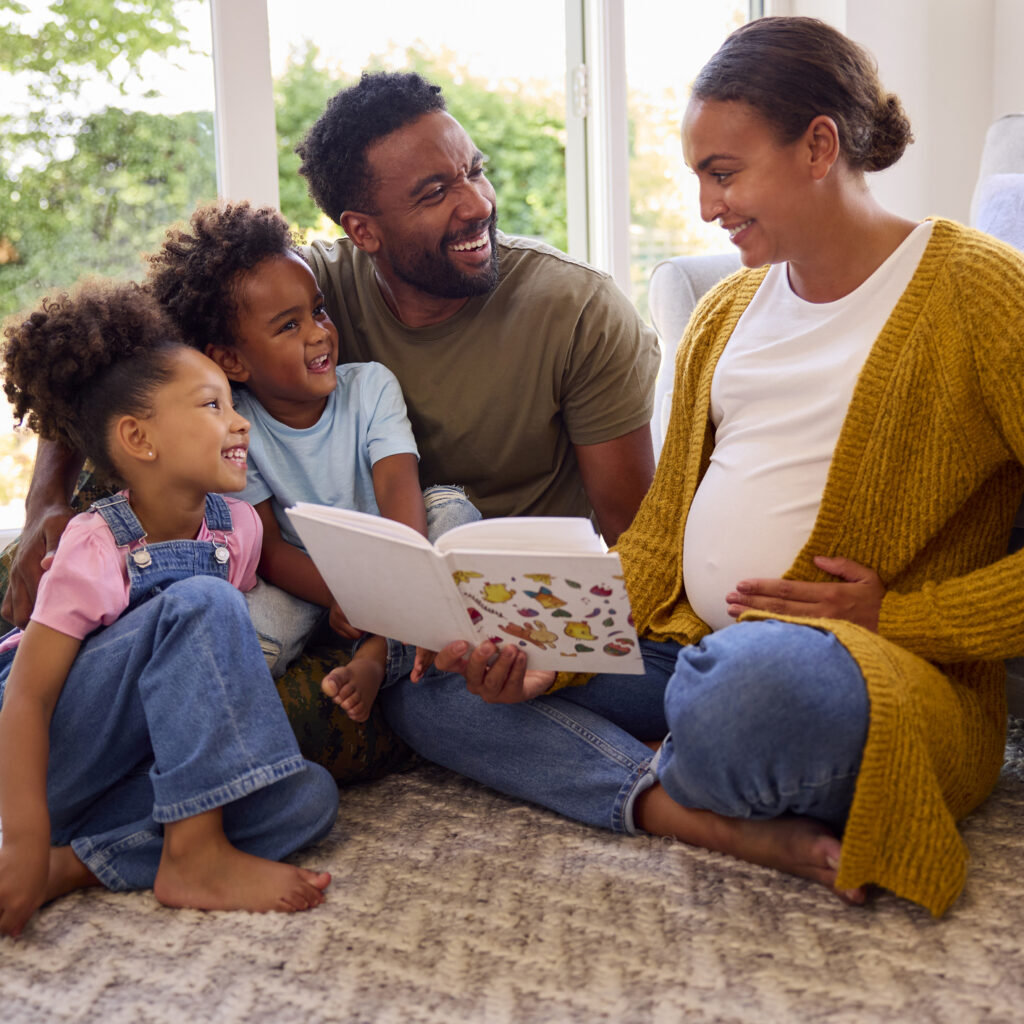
285	622
165	714
763	718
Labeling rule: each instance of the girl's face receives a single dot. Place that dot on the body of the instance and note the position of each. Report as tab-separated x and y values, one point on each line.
754	186
286	346
197	439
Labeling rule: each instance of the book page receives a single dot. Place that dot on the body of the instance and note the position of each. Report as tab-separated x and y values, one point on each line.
385	581
567	612
559	534
361	521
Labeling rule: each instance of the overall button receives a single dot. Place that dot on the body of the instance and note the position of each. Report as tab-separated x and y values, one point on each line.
142	558
221	554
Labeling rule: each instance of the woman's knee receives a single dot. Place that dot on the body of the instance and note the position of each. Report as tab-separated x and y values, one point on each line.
761	707
755	673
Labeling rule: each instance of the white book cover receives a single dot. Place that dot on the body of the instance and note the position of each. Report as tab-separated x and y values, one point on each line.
544	584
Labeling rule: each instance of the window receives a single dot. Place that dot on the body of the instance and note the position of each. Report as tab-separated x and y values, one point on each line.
107	133
502	70
106	137
666	45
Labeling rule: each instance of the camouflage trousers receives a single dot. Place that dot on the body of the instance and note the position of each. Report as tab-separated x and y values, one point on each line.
350	751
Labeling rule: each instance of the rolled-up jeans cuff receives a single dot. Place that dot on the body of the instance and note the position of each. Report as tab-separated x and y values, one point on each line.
647	777
400	660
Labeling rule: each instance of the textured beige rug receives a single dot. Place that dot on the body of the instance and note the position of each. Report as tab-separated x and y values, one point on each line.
451	903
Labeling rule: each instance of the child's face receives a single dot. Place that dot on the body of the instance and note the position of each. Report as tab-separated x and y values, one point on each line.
286	346
196	437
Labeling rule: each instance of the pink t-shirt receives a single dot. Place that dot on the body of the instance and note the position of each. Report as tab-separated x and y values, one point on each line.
87	585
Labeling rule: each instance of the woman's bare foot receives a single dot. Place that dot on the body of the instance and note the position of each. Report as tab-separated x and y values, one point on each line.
200	869
353	687
798	846
67	873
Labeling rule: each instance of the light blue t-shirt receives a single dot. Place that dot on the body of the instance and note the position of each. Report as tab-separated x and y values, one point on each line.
331	462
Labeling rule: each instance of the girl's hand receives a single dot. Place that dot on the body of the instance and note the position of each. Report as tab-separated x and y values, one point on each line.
424	659
498	677
24	872
857	599
340	624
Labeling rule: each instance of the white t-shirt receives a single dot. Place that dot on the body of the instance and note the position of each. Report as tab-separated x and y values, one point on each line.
779	396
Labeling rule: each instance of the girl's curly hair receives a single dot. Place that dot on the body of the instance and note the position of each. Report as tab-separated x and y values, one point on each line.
195	275
79	361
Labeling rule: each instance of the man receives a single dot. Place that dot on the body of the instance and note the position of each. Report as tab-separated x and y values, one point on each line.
528	376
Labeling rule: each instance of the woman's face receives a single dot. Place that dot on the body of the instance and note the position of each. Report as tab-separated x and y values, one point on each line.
753	185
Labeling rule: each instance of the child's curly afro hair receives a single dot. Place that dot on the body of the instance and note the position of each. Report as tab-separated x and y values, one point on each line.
80	360
195	273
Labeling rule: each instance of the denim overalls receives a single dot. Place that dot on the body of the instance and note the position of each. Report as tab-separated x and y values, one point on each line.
169	712
154	567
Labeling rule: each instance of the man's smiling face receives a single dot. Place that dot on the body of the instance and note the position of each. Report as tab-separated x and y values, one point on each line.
435	214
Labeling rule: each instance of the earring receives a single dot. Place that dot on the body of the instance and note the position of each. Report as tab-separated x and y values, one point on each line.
150	454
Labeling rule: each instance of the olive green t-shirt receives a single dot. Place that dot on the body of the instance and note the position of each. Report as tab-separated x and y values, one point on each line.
500	392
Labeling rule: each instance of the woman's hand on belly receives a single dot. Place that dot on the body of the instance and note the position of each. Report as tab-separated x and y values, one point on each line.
857	599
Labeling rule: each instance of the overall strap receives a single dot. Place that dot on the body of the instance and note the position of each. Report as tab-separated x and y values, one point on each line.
120	518
218	514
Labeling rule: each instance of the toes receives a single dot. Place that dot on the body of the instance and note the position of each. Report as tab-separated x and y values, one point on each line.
318	879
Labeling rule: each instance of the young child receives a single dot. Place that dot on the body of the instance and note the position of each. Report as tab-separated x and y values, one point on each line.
142	741
335	435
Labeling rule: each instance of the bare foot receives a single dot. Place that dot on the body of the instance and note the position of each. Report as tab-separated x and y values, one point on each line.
199	868
353	687
798	846
67	873
234	880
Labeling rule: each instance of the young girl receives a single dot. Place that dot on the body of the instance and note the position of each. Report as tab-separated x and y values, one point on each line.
142	742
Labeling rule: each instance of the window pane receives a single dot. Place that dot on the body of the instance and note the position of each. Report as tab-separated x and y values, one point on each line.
106	137
502	70
667	43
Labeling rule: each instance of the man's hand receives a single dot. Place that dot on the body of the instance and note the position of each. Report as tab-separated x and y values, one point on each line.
35	552
498	677
24	871
857	599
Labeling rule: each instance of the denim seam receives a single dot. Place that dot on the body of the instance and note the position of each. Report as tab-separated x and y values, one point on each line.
228	792
622	810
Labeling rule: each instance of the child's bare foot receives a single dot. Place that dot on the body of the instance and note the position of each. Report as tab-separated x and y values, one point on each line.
200	869
67	873
798	846
353	687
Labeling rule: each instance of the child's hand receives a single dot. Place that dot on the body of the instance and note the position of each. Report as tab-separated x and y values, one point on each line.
24	871
340	624
424	659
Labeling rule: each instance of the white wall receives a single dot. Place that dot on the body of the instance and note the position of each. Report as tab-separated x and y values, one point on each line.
1008	70
956	65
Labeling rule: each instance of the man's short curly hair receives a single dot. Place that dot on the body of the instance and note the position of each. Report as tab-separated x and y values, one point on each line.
194	275
334	150
80	361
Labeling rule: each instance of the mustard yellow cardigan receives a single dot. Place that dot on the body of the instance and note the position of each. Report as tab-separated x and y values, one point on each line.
925	480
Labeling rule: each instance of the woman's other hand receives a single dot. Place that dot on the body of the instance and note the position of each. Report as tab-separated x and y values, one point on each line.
857	598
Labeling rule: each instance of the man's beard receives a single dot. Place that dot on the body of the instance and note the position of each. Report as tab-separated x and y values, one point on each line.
435	274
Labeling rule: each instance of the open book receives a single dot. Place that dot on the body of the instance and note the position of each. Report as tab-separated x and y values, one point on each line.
544	584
